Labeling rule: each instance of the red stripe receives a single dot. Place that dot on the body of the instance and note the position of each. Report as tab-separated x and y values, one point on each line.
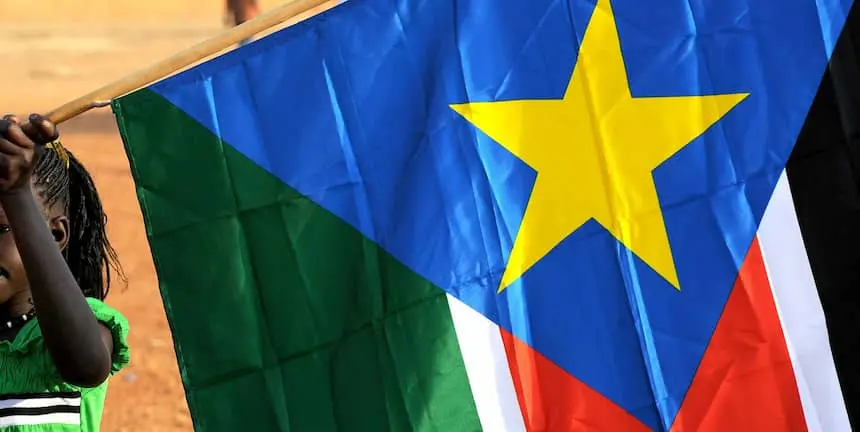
552	400
745	380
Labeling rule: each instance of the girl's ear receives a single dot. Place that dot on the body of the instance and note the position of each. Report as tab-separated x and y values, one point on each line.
59	226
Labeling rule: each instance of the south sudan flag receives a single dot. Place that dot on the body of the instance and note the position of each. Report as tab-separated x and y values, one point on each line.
543	215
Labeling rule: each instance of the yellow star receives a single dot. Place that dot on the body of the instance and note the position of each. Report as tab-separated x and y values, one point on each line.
594	151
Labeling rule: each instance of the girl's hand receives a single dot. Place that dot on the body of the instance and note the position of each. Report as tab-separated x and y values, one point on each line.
20	147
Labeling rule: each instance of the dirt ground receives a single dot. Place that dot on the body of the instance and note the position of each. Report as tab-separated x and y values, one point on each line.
58	50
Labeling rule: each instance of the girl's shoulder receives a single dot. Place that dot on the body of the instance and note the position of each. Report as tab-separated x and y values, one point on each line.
28	377
109	317
118	326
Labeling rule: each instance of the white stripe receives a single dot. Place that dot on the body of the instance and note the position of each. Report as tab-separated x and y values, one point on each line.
487	368
800	313
40	402
45	419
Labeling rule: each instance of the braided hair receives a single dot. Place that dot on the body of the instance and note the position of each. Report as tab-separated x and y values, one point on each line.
60	179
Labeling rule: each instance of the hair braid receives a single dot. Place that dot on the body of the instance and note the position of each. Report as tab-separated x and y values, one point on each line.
89	254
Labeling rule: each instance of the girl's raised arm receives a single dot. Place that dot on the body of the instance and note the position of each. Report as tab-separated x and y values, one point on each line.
80	347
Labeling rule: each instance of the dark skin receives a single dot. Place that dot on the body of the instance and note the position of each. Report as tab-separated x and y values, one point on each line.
32	267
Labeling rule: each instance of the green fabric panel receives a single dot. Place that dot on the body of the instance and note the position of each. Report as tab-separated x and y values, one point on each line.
284	317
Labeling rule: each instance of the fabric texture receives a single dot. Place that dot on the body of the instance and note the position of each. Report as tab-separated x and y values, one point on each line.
284	317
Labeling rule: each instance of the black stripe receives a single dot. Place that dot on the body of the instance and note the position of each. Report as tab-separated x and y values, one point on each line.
68	395
824	176
57	409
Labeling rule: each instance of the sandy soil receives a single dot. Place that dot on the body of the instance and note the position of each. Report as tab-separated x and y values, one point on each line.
60	51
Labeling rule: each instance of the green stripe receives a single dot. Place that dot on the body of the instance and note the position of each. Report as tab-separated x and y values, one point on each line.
284	317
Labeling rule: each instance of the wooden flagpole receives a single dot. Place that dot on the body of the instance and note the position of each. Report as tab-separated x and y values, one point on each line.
103	96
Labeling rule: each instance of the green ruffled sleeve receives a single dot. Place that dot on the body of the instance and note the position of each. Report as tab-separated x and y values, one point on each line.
118	326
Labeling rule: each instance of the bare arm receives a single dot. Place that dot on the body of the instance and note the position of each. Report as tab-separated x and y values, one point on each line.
80	347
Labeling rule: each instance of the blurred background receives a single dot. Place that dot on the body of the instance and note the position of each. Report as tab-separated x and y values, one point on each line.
57	50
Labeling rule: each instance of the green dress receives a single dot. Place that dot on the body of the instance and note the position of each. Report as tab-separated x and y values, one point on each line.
33	397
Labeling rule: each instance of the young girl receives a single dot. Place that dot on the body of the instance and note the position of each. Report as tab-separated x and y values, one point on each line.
58	342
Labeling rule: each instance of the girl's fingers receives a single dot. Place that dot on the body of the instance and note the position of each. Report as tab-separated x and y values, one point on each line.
8	150
15	135
41	130
12	118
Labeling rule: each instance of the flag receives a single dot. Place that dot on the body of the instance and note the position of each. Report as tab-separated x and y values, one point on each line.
822	176
462	215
